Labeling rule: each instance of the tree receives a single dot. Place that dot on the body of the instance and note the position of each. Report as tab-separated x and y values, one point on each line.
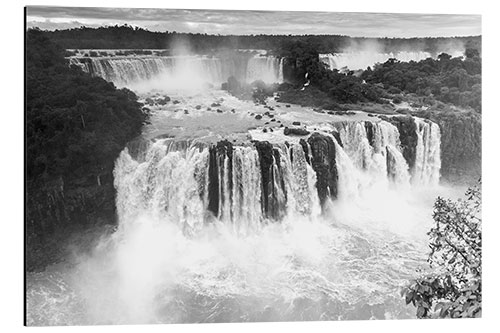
453	290
471	53
76	126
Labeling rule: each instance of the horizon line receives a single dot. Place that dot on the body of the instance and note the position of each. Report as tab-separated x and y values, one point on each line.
238	35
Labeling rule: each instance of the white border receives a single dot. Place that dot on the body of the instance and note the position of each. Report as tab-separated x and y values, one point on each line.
11	239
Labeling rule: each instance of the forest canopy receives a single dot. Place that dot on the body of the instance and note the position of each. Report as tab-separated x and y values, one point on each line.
76	124
128	37
450	80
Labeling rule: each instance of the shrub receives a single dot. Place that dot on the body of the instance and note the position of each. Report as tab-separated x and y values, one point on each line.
454	288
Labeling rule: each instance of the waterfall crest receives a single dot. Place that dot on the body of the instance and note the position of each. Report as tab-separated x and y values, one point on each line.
132	70
247	185
364	59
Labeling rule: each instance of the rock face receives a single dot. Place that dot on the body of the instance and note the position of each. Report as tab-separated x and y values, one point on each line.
408	136
390	161
295	131
336	135
164	100
323	162
273	187
216	174
232	85
460	145
55	210
369	132
305	148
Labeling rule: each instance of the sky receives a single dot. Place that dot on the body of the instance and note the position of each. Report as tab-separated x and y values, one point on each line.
235	22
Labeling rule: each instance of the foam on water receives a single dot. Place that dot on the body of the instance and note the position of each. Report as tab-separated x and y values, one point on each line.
298	270
174	260
165	265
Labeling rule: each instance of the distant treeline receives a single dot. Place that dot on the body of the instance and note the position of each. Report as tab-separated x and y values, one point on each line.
456	81
127	37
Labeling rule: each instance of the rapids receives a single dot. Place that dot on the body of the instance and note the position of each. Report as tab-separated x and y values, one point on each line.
220	221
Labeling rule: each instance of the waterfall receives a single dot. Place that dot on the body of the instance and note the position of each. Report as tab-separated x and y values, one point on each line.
374	150
428	153
281	77
300	181
126	70
246	179
174	71
305	220
247	185
364	59
268	69
167	184
193	184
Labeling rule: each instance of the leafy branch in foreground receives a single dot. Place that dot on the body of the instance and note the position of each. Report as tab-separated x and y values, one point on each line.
453	290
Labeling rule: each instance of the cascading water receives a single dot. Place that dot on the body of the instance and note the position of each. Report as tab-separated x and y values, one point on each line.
132	71
198	184
167	185
244	186
428	154
223	224
364	59
268	69
374	151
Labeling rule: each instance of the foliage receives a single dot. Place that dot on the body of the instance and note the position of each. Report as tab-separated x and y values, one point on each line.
128	37
450	80
76	124
454	289
339	87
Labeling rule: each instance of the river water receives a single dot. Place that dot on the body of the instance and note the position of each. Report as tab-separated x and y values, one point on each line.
174	259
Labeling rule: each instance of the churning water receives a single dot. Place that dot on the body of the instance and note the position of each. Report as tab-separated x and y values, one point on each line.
326	228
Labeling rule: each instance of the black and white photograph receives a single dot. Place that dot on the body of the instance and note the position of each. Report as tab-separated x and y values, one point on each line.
188	166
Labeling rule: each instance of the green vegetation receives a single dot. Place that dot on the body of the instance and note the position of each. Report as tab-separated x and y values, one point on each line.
450	80
453	290
303	59
76	125
128	37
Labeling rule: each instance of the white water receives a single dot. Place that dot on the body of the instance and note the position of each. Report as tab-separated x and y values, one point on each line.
370	162
364	59
428	156
171	260
145	73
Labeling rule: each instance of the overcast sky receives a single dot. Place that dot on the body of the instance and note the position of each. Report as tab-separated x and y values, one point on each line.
226	22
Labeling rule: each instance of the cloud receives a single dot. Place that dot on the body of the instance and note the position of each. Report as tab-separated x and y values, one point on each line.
260	22
51	25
